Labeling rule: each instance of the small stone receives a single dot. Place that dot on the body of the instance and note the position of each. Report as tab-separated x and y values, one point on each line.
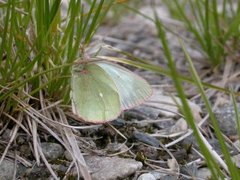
146	176
7	170
52	151
135	114
115	147
147	112
157	175
118	123
108	168
25	150
67	155
6	134
38	172
149	152
146	139
133	37
21	140
226	118
164	124
236	160
190	170
204	173
169	177
237	143
60	168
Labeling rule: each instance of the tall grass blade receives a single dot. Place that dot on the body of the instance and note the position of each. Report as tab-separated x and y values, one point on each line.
213	166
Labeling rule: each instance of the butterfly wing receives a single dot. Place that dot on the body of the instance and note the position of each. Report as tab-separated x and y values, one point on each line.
94	95
132	89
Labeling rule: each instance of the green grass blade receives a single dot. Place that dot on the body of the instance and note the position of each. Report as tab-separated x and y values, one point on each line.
215	170
236	112
93	24
4	36
231	167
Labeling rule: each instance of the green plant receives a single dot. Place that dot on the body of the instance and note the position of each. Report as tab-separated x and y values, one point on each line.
213	39
39	45
211	158
214	25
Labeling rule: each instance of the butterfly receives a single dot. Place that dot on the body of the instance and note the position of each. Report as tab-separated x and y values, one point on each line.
101	90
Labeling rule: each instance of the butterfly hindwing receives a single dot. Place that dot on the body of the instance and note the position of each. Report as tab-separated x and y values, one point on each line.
94	94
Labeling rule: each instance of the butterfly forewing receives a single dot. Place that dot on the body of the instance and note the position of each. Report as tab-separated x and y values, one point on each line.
132	89
94	94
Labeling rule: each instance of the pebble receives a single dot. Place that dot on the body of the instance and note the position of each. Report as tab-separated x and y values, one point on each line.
7	170
149	152
147	112
109	168
52	151
226	118
6	135
204	173
190	170
67	155
169	177
236	160
38	172
237	143
157	175
146	139
118	123
146	176
25	150
116	147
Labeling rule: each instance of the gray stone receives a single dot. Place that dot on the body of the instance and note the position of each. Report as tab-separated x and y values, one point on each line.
38	173
226	118
145	112
237	143
146	139
169	177
157	175
7	169
148	151
146	176
236	160
52	151
204	173
115	147
67	155
190	170
110	168
6	135
118	123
